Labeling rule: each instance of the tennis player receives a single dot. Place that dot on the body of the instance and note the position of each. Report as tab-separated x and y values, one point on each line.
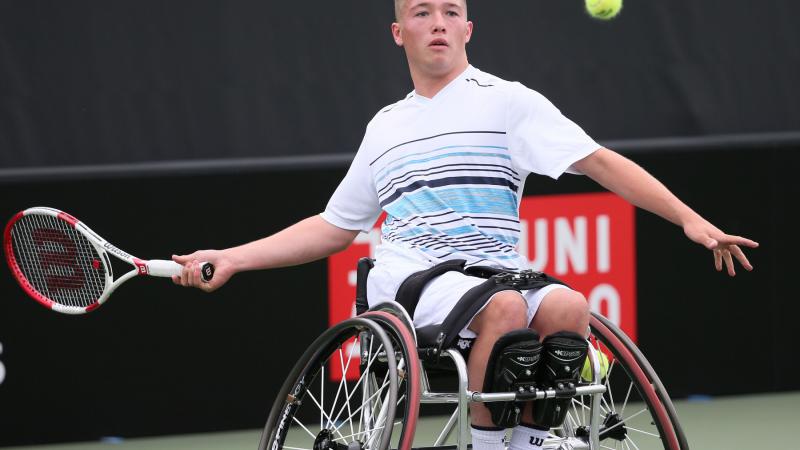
447	164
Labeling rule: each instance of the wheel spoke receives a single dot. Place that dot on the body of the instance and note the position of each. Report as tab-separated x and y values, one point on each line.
304	427
607	408
370	360
344	377
623	421
347	394
630	428
627	396
365	402
633	444
322	412
611	367
610	392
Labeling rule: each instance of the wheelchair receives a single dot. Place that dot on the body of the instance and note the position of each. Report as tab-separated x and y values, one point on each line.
362	383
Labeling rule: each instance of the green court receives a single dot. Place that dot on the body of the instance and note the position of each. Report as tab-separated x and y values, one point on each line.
730	423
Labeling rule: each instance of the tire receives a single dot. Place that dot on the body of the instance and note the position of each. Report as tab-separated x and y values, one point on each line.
312	412
635	411
408	390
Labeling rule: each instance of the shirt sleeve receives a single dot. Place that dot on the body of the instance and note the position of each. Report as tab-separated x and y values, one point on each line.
354	205
541	139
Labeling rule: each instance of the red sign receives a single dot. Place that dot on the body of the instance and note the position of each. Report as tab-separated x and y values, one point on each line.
585	240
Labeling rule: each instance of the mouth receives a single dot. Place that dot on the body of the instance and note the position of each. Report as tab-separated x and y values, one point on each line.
438	43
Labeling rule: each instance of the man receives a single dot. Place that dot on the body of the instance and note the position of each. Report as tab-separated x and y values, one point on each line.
448	164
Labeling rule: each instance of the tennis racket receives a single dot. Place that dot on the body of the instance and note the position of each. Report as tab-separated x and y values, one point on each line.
64	265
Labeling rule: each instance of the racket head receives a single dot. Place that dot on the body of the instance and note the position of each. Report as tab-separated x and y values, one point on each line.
56	261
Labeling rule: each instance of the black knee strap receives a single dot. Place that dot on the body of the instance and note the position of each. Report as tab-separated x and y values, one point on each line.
512	366
562	361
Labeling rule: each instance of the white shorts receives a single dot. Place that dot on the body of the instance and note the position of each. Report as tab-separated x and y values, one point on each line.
439	297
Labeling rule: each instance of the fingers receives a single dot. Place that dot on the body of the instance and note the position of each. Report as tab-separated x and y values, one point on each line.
737	240
726	255
182	259
718	260
740	256
189	274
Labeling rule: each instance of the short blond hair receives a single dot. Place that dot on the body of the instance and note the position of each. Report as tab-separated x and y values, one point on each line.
398	7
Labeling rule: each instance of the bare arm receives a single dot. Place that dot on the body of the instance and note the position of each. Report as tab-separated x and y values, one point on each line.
627	179
308	240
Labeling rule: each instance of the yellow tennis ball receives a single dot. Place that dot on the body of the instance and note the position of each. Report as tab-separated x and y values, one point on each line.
603	9
586	372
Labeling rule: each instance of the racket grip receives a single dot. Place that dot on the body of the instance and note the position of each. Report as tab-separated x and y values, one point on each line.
167	268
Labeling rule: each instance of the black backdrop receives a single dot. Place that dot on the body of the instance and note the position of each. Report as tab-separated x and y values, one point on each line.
87	82
162	359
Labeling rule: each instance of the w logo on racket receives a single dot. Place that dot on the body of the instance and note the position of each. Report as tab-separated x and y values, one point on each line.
58	258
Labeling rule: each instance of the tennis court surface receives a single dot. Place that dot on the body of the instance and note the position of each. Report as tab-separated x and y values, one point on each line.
730	423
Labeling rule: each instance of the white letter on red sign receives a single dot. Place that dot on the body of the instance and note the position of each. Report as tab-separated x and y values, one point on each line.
571	247
2	367
603	244
539	262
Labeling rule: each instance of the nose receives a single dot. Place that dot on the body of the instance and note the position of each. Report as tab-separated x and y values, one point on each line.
438	23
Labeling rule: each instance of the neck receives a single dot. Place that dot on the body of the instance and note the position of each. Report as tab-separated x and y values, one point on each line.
428	84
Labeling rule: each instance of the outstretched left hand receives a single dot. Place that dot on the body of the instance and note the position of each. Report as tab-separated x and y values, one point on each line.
724	246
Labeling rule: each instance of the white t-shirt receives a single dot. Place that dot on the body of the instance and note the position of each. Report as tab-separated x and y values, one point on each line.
449	171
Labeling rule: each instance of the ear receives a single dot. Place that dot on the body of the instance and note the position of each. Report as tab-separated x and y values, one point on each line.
397	34
469	31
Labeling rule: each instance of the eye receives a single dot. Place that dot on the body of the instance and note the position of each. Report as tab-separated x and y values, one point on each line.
421	14
452	13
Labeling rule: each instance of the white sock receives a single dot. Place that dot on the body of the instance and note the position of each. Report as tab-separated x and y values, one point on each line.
526	438
487	439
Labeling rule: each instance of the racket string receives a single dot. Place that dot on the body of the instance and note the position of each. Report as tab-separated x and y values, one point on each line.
58	261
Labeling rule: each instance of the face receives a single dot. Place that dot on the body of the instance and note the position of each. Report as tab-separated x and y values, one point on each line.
434	34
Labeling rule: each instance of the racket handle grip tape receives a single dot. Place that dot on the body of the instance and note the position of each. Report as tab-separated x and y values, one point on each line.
167	268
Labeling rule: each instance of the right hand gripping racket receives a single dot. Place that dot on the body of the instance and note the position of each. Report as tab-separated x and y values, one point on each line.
64	265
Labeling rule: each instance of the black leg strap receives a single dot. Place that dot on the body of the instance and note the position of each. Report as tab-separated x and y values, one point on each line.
410	290
466	308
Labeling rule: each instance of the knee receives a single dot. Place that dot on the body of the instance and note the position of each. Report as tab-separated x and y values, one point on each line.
505	312
562	310
574	311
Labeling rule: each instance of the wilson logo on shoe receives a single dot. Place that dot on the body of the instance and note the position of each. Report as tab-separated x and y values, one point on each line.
567	354
527	359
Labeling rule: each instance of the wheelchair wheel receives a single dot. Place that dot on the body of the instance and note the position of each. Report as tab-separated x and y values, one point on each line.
636	411
341	395
409	391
